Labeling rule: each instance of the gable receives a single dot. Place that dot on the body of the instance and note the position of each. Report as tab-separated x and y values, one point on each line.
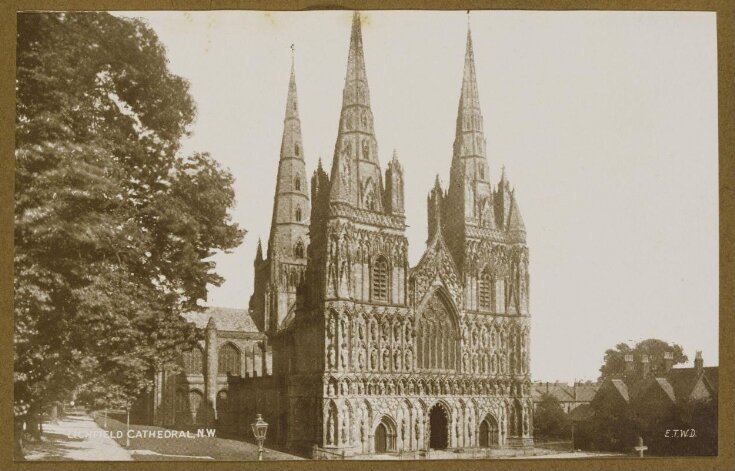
436	268
700	391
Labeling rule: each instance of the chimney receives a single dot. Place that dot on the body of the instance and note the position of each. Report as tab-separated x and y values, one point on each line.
645	366
698	361
628	363
668	361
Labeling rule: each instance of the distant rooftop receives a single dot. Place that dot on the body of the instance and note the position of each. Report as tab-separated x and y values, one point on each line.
226	319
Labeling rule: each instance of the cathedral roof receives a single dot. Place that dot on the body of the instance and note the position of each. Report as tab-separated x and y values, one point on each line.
226	319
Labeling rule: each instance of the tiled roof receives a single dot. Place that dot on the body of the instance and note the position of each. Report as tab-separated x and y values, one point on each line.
683	380
582	412
581	392
712	375
226	319
621	387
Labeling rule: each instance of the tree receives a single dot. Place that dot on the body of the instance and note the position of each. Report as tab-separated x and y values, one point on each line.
114	228
614	361
549	419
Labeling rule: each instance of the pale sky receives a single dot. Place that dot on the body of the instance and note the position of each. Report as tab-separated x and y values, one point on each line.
606	123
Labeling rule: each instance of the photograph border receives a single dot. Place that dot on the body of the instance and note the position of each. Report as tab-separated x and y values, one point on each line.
725	10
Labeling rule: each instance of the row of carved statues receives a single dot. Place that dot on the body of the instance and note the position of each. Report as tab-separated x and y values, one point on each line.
419	385
432	342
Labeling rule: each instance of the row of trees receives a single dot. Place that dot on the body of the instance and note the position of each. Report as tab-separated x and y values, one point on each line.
114	228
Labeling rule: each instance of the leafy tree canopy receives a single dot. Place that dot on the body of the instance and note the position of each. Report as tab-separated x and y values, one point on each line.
549	419
614	362
114	229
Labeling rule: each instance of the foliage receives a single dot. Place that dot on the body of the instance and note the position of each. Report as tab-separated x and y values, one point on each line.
614	362
687	418
549	419
114	229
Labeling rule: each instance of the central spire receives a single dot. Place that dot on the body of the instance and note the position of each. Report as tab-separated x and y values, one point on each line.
356	178
469	139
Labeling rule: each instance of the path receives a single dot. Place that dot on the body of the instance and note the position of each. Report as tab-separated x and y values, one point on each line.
75	438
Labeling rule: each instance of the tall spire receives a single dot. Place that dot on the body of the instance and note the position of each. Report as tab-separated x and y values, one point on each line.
469	185
291	145
356	178
469	139
291	208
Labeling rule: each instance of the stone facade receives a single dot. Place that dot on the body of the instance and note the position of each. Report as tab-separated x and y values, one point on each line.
198	394
372	355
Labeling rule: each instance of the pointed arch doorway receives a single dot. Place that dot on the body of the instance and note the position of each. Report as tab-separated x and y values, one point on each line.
489	432
385	436
438	427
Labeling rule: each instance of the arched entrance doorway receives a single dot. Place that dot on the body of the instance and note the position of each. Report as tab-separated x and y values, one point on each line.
438	427
385	437
489	435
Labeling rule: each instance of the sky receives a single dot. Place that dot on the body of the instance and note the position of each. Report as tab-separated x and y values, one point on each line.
606	123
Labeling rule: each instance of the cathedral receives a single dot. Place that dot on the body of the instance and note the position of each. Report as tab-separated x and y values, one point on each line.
369	354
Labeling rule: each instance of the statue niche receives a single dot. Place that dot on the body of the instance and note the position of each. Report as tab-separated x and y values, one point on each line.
436	339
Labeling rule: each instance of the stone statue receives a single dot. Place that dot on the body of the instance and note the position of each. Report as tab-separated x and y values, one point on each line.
331	356
361	359
343	352
404	428
330	428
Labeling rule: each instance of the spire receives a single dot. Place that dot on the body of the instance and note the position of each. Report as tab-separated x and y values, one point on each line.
469	185
437	184
291	142
515	220
469	140
259	252
356	177
356	58
291	208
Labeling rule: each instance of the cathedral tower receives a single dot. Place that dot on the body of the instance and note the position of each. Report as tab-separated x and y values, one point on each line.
364	231
469	201
278	277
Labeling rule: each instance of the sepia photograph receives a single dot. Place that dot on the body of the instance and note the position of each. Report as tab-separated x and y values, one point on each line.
366	235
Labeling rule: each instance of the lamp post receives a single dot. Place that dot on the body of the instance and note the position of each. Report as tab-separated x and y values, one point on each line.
260	428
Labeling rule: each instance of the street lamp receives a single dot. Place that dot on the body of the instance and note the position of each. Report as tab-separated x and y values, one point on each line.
260	427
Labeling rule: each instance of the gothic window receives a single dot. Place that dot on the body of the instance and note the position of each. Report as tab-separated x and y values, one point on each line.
480	170
370	202
228	360
436	337
296	150
297	183
485	291
193	361
182	404
380	279
298	214
500	296
298	250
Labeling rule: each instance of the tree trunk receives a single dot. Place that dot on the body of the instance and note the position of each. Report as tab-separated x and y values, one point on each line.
19	454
